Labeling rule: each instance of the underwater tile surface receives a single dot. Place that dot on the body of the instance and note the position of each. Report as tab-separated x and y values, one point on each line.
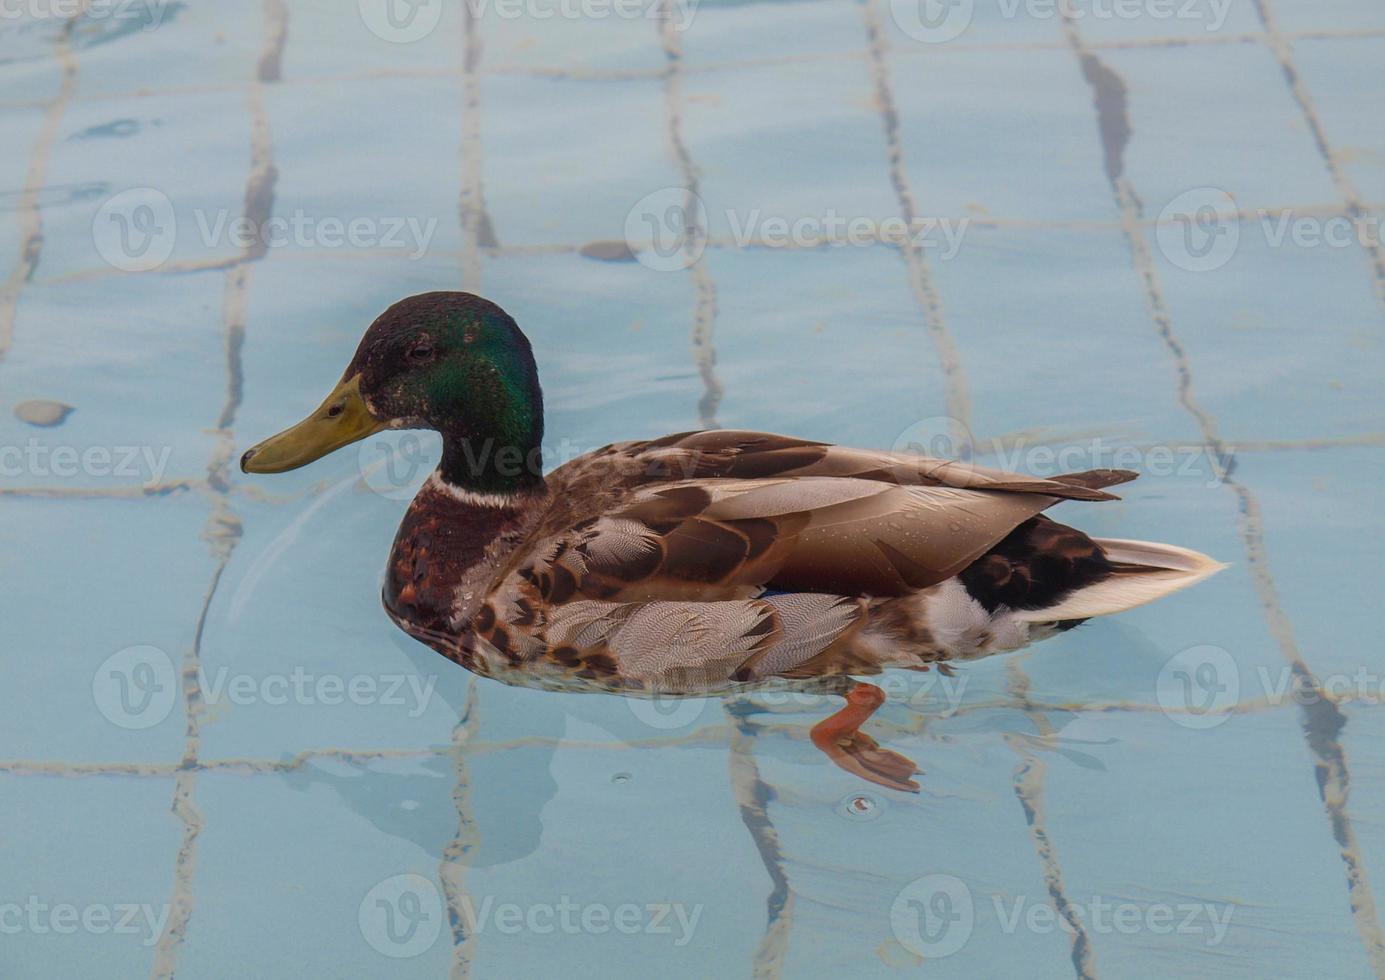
1140	240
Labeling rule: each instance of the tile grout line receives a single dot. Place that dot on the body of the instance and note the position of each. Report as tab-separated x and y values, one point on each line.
1356	208
223	528
28	213
485	234
753	797
1029	775
695	236
958	397
751	792
1030	787
456	855
477	231
708	736
618	75
1322	720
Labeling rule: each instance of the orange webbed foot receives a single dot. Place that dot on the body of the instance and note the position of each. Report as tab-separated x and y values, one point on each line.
853	750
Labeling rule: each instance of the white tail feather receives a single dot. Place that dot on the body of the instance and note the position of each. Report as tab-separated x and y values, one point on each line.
1165	568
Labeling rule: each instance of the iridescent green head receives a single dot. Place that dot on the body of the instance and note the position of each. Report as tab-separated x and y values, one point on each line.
448	361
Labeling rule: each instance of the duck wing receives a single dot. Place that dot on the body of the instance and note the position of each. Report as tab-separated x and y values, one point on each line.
740	454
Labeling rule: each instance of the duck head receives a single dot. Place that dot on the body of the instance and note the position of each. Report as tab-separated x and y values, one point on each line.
447	361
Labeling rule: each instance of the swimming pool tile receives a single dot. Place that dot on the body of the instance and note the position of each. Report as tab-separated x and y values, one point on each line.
1253	841
816	31
1185	20
410	212
924	28
759	137
89	874
959	109
1255	336
1017	347
298	652
1231	105
26	52
19	128
149	45
1343	80
868	888
791	325
317	867
567	161
156	213
1308	15
85	655
372	38
142	362
559	36
1314	506
612	344
694	853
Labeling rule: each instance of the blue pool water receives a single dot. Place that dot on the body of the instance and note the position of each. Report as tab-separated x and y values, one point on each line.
1138	235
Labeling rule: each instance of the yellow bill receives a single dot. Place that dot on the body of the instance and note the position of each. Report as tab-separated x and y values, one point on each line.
339	421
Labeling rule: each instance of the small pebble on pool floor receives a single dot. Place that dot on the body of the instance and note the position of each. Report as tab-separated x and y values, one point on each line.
42	412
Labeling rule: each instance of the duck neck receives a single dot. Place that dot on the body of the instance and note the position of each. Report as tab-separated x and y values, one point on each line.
448	547
496	451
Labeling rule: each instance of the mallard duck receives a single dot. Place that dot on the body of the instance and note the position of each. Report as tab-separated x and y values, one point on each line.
703	563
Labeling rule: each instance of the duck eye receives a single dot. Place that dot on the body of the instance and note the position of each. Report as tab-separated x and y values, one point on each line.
421	351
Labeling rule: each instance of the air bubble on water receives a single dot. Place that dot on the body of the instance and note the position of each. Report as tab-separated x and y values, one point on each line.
860	806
